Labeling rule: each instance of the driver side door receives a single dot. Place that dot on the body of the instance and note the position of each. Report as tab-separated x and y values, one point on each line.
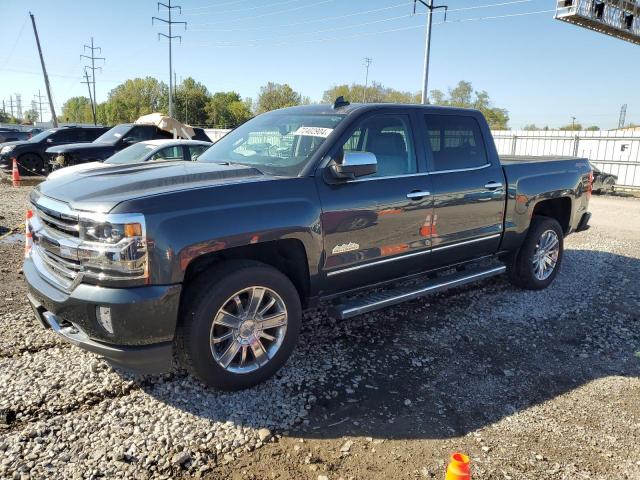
375	228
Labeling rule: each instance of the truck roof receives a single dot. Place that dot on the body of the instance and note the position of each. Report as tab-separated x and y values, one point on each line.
327	109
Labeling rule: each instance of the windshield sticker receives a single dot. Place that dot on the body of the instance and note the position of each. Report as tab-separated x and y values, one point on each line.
313	131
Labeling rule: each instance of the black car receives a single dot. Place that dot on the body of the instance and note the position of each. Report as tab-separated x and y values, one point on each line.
12	135
30	154
603	182
112	141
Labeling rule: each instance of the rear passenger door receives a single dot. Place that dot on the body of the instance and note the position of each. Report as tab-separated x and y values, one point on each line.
468	189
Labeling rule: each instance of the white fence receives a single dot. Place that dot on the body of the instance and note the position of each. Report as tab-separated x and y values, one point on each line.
616	152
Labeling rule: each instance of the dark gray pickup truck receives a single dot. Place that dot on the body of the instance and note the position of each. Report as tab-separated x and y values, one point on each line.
212	262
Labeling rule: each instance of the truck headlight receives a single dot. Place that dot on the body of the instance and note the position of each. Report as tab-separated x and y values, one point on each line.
114	247
7	148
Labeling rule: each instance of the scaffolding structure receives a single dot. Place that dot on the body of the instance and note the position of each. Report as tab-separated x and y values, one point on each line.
616	18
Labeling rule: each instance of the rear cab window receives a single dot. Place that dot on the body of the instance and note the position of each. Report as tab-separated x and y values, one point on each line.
456	142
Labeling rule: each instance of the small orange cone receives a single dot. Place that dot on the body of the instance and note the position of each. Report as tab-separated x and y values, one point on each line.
15	174
458	468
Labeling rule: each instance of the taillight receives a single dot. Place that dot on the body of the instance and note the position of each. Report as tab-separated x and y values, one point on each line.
590	183
28	236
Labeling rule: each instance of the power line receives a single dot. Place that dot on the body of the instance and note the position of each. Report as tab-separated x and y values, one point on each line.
215	5
170	37
305	22
240	10
265	40
93	68
240	19
39	102
91	99
427	47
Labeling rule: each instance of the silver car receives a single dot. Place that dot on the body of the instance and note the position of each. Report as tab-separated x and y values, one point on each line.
159	150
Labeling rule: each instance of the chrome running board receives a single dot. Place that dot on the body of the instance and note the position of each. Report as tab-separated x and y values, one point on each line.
387	298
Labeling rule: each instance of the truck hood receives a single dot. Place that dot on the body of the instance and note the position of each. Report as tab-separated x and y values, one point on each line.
99	187
17	143
80	147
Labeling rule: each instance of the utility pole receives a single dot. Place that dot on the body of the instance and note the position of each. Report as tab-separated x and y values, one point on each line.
573	123
39	102
93	68
367	64
18	106
11	105
88	82
170	37
44	73
427	47
623	116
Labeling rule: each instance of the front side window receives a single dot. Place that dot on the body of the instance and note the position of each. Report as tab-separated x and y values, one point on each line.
388	137
278	143
133	154
456	142
196	150
168	153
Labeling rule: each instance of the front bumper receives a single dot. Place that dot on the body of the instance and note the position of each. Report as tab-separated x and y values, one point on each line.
143	319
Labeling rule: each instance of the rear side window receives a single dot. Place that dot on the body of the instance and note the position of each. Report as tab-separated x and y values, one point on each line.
456	142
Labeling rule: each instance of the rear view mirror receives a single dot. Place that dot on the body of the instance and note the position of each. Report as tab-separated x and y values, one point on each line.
129	140
355	164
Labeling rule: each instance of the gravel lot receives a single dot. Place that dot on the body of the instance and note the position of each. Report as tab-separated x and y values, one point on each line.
530	384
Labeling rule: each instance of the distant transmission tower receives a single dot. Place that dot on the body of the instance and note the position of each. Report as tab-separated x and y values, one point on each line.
367	63
623	116
93	68
18	106
170	37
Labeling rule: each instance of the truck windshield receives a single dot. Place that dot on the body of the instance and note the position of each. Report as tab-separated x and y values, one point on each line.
277	143
113	135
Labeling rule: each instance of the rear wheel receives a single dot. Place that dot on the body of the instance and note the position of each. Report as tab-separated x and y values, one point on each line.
240	324
30	164
538	260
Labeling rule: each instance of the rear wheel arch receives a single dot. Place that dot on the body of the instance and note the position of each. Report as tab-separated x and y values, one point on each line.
556	208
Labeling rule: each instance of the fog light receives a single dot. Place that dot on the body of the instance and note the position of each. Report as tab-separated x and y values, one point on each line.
103	314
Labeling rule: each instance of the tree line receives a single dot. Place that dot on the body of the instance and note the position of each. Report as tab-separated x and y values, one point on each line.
196	105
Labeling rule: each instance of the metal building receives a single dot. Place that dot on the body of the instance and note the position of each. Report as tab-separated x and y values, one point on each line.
617	18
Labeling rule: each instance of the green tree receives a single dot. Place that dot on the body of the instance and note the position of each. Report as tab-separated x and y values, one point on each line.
464	96
190	102
531	127
593	128
376	93
77	110
30	116
6	117
227	110
572	127
134	98
275	95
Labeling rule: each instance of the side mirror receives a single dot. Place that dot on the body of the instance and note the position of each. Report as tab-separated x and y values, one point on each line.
355	164
129	140
49	140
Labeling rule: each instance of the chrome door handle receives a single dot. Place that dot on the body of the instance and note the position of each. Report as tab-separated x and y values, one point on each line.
493	185
417	194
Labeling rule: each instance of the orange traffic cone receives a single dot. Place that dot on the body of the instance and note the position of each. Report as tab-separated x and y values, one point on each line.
15	174
458	468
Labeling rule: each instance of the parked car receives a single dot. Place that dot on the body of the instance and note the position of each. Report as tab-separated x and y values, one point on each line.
603	182
160	150
216	260
118	138
12	135
30	154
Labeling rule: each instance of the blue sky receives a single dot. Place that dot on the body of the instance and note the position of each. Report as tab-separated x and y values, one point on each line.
542	70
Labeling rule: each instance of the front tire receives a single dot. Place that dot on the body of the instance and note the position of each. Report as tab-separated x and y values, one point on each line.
239	324
538	261
30	164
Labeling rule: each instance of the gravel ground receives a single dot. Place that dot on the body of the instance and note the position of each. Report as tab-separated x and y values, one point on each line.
530	384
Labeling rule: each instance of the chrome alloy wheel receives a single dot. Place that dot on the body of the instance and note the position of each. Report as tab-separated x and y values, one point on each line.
248	329
546	255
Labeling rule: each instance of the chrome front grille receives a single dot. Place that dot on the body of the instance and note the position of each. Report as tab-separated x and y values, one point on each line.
55	231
